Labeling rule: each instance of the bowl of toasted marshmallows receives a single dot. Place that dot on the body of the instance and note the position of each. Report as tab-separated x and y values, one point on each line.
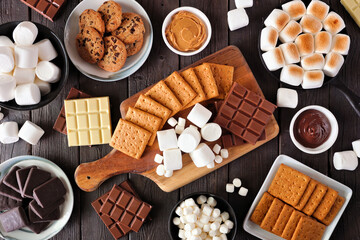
304	45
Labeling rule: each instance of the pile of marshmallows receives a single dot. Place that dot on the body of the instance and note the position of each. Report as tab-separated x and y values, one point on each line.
29	132
237	18
204	222
189	142
25	68
348	160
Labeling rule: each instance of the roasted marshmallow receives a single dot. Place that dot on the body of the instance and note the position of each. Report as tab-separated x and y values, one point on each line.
340	44
25	33
333	64
48	72
268	39
199	115
296	9
277	19
189	139
27	94
313	79
202	155
290	53
24	75
243	3
172	159
45	87
46	50
314	61
274	59
305	44
7	62
290	32
286	98
292	74
9	132
318	9
310	24
26	56
7	88
333	23
211	132
356	147
346	160
237	18
167	139
323	42
6	42
31	133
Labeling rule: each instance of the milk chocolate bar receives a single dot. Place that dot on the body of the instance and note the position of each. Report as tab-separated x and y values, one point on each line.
10	179
14	219
47	8
35	178
49	192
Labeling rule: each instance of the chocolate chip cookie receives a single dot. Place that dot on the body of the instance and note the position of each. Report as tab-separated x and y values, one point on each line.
115	54
91	18
131	29
135	47
111	13
90	45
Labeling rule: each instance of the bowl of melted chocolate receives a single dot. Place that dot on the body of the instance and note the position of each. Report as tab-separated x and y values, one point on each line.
313	129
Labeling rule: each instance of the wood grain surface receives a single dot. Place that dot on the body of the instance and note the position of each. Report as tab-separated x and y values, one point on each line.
251	168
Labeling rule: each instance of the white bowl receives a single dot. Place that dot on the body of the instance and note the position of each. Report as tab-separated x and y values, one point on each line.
200	15
328	143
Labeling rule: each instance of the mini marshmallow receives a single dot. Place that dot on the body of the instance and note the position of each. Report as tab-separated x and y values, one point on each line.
183	220
290	52
158	158
211	165
211	201
26	56
204	219
346	160
182	205
223	237
46	50
224	153
176	221
181	234
7	62
202	155
190	202
215	226
189	139
199	115
193	127
9	132
225	216
218	159
31	133
292	74
305	44
25	33
188	235
287	98
313	79
356	147
7	88
188	211
48	72
341	44
237	182
207	210
212	233
203	235
24	75
237	18
268	39
323	42
172	122
211	132
274	59
179	129
160	170
45	87
6	42
290	32
313	61
199	224
333	23
201	199
310	24
230	188
216	213
172	159
243	3
195	238
243	191
181	225
216	238
224	229
197	211
191	218
181	121
277	19
333	64
217	148
318	9
229	224
168	173
206	228
179	211
196	231
27	94
1	116
296	9
167	139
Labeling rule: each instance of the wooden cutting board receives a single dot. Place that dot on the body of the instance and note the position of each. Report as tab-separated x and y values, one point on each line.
89	176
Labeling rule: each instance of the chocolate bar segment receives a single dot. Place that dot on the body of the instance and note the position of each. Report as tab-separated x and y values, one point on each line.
14	219
44	212
35	178
10	179
47	8
9	192
8	203
34	218
49	192
21	176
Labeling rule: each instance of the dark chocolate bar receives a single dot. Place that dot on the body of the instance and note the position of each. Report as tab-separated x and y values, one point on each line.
49	192
38	227
34	218
10	179
44	212
35	178
14	219
9	192
8	203
47	8
21	176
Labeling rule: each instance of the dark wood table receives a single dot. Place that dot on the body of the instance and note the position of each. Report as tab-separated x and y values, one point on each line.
251	168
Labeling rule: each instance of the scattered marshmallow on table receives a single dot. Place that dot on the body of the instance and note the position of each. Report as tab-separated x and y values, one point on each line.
26	56
287	98
48	72
9	132
45	87
199	115
277	19
189	139
268	38
31	133
211	165
179	129
181	121
313	79
24	75
172	159
243	191
7	62
202	155
356	147
160	170
346	160
274	59
333	64
230	188
27	94
217	148
7	88
6	42
211	132
218	159
172	122
46	50
224	153
25	33
168	173
167	139
292	74
243	3
237	18
158	158
237	182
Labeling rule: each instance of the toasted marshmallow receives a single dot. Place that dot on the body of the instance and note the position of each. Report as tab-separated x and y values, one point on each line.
340	44
290	32
323	42
296	9
6	42
305	44
25	33
7	88
333	63
310	24
277	19
333	23
314	61
268	39
290	52
292	75
274	59
313	79
7	62
318	9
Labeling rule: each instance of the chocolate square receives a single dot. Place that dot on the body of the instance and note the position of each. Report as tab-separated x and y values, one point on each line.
10	179
35	178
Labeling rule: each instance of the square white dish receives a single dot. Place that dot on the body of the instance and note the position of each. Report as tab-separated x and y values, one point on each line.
343	190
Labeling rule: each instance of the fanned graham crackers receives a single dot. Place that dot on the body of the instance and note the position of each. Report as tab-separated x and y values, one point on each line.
206	78
272	215
305	198
291	224
315	199
223	75
180	88
262	208
308	228
191	78
326	203
282	219
334	210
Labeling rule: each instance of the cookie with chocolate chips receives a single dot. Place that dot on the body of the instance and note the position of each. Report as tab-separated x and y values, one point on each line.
134	48
131	29
115	54
111	13
90	45
91	18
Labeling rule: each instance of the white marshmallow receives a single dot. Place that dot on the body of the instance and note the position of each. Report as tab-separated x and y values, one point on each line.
45	87
211	165
176	221
199	115
6	42
189	139
225	216
211	132
26	56
172	122
172	159
216	213
48	72
341	44
305	44
188	211
218	159
333	64
207	210
181	121
224	229
223	237
313	61
182	205
346	160
46	50
230	224
333	23
158	158
216	238
277	19
189	226
188	235
191	218
27	94
7	62
31	133
212	202
25	33
230	188
224	153
204	219
160	170
237	18
313	79
215	226
296	9
206	228
179	129
323	42
9	132
24	75
168	173
7	88
196	231
190	202
217	148
310	24
318	9
179	211
243	191
197	211
181	234
292	74
356	147
194	127
1	116
290	52
244	3
202	155
203	235
274	59
167	139
201	199
212	233
290	32
268	39
287	98
237	182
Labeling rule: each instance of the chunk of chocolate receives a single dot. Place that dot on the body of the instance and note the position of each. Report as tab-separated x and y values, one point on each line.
10	179
48	9
44	212
21	176
34	218
8	203
38	227
8	192
35	178
14	219
49	192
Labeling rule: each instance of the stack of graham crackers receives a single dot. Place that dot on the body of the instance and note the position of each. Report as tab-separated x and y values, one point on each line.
166	98
296	206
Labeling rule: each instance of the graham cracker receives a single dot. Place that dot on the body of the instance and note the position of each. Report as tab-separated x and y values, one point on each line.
291	224
224	77
282	219
145	120
161	93
180	88
289	185
191	78
130	139
326	203
315	199
334	210
262	208
151	106
207	80
308	228
304	199
273	213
